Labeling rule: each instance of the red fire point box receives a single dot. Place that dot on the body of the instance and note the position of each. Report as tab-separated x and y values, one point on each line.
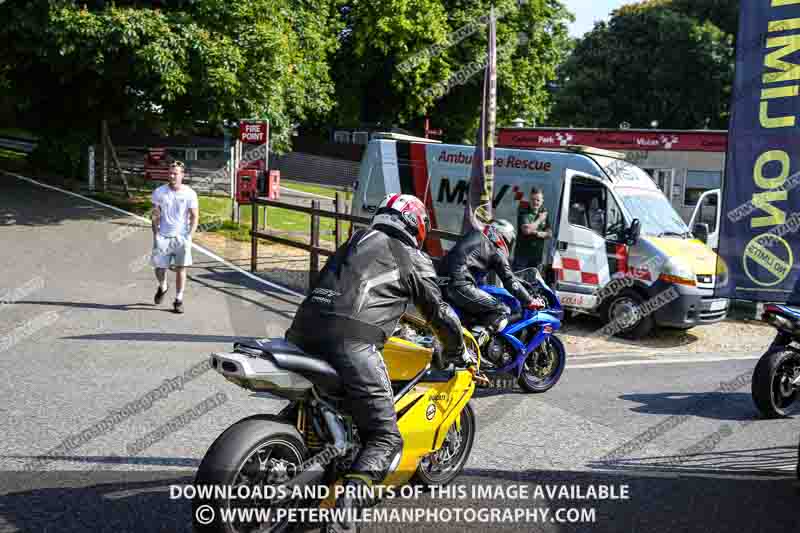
246	185
274	185
156	166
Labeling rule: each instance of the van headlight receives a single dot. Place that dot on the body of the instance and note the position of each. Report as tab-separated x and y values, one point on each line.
722	278
680	272
722	273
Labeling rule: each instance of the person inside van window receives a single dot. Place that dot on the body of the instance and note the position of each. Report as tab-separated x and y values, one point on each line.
473	257
533	221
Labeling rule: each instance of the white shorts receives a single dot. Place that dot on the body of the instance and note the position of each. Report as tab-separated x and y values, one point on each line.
171	250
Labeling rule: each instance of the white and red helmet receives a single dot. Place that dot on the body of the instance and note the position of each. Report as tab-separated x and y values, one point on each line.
502	233
405	212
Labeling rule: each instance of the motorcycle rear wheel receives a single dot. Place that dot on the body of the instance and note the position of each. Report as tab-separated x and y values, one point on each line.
239	456
772	390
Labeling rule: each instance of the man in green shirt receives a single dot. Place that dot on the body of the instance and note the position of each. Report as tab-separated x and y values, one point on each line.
534	226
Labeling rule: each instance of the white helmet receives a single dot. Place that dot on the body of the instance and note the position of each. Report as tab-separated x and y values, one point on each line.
502	233
405	212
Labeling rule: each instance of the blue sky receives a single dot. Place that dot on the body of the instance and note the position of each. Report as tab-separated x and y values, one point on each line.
588	11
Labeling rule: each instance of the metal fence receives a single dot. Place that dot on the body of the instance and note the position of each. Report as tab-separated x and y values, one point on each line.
313	246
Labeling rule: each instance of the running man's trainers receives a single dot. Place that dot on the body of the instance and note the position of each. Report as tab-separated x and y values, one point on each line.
178	305
159	295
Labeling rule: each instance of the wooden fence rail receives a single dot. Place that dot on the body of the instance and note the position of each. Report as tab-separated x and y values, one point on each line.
313	246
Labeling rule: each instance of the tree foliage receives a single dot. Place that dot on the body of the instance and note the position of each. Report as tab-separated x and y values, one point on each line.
380	37
173	63
724	14
168	63
649	62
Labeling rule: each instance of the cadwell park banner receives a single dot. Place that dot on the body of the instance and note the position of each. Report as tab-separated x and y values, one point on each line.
760	223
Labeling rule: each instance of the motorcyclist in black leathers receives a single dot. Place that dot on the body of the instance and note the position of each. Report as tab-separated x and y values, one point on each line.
474	256
355	306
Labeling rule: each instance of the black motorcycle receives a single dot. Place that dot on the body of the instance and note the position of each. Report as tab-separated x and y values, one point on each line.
776	379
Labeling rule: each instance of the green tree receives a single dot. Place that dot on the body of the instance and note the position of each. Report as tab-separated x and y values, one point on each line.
724	14
168	64
380	38
647	63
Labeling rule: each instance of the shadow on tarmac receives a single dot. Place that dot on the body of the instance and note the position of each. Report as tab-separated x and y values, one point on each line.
709	497
140	306
731	406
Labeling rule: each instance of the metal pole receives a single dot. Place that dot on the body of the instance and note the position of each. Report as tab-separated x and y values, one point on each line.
105	157
266	167
238	158
91	167
338	203
253	238
314	270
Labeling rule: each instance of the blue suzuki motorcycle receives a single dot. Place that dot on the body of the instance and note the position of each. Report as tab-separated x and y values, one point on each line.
526	351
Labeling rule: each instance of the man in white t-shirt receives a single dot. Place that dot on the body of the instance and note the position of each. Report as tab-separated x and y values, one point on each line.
175	216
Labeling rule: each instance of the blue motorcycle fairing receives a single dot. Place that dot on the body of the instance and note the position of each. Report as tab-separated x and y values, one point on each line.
522	350
503	295
542	318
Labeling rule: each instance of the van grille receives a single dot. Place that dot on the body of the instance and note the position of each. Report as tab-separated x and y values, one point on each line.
707	315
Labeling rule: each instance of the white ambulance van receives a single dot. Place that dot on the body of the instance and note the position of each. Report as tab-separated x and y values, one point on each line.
618	246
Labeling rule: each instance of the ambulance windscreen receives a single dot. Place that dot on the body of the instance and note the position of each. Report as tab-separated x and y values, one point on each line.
656	214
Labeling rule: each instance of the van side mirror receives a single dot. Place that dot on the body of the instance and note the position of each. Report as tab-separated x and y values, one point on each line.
634	232
701	231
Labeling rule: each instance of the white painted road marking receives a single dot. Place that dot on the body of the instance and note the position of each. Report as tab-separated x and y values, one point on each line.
668	361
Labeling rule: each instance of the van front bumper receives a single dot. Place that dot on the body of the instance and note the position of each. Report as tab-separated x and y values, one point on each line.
692	307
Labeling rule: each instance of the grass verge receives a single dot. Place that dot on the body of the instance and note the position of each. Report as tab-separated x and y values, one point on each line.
17	132
215	216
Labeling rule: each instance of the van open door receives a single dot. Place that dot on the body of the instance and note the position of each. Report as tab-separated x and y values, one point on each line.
580	260
705	219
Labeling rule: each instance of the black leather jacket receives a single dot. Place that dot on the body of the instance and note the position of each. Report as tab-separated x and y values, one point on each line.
366	286
475	255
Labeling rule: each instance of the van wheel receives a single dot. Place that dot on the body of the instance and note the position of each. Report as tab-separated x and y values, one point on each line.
624	318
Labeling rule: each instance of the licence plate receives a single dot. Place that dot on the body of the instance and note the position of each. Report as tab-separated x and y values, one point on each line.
718	305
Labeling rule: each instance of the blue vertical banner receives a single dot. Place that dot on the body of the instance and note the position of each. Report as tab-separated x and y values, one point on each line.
760	223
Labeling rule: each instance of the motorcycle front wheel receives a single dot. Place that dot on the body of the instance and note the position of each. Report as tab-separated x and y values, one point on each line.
543	367
256	451
445	464
772	387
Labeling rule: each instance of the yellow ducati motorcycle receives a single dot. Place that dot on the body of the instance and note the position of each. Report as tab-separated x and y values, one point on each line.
260	472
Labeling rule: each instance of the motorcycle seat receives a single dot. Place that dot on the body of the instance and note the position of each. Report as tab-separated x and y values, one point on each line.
292	358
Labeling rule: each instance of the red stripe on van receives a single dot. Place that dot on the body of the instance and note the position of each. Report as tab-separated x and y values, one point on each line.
622	258
589	278
570	263
422	189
